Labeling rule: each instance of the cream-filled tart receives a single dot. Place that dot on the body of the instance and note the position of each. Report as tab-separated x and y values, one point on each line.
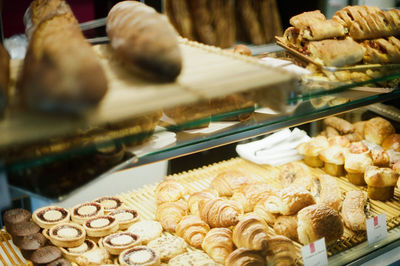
85	211
109	203
48	216
101	226
74	252
139	255
118	242
125	217
67	235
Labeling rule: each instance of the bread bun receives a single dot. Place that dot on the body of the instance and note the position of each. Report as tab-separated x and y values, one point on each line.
377	129
381	182
355	165
392	142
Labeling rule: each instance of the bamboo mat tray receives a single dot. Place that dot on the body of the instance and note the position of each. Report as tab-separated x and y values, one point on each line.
9	253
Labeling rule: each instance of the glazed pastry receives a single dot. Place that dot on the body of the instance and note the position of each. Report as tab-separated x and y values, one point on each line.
318	221
147	230
169	214
67	235
196	197
392	142
168	246
333	158
109	203
118	242
296	174
250	232
340	124
139	255
168	191
355	210
244	257
286	225
95	256
377	129
45	255
85	211
192	258
381	182
311	150
226	183
262	210
330	193
382	51
220	212
15	216
218	244
193	230
248	195
72	253
281	251
46	217
357	159
125	217
101	226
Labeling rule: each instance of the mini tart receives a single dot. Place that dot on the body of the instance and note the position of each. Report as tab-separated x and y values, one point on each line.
67	235
118	242
72	253
101	226
139	255
46	217
125	217
85	211
109	203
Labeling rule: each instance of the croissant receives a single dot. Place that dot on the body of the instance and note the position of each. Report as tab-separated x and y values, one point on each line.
218	244
262	211
244	257
281	251
250	232
220	212
169	214
286	225
229	181
195	198
193	230
168	191
248	195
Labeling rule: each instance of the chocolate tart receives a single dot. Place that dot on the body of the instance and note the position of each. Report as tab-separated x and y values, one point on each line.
101	226
72	253
23	229
109	203
125	217
118	242
60	262
48	216
85	211
15	216
67	235
139	255
45	255
31	242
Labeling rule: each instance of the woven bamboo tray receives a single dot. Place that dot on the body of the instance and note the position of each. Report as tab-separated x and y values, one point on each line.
9	253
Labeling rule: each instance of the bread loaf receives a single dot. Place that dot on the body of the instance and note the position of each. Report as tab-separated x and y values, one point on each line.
4	78
144	40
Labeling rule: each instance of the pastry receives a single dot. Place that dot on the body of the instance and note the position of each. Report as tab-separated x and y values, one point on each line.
250	232
168	191
318	221
380	157
242	49
227	182
85	211
382	51
244	257
220	212
144	40
101	226
311	150
30	242
330	193
73	253
118	242
193	230
381	182
339	124
15	216
46	255
23	229
340	141
192	258
357	159
139	255
286	225
304	19
125	217
147	230
168	246
331	132
195	198
46	217
392	142
109	203
218	244
95	256
296	174
333	158
60	262
169	214
359	127
4	78
262	210
281	251
355	210
248	195
377	129
67	235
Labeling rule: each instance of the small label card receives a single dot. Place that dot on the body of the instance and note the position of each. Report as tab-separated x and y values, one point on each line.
376	229
314	254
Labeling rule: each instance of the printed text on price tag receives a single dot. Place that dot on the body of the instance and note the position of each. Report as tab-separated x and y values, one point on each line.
314	254
376	229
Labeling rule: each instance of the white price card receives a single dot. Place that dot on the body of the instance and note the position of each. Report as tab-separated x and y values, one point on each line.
314	254
376	229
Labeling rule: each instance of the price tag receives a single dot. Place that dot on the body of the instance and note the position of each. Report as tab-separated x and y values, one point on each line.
376	229
314	254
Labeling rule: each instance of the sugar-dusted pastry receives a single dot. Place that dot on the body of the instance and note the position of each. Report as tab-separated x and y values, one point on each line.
67	235
147	230
220	212
85	211
48	216
227	182
118	242
377	129
262	210
73	253
340	124
333	158
139	255
330	193
281	251
192	258
196	197
95	256
244	257
218	244
318	221
125	217
169	214
168	191
286	225
357	159
381	182
355	210
392	142
193	230
248	195
250	232
109	203
168	246
311	150
101	226
296	174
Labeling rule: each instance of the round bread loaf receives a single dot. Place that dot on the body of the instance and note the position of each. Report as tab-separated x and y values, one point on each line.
377	129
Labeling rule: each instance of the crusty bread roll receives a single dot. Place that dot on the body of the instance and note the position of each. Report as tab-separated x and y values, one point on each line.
392	142
286	225
377	129
4	77
311	150
144	40
318	221
353	210
381	182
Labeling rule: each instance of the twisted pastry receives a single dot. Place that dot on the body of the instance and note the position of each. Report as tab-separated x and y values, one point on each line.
248	195
195	198
244	257
168	191
169	214
250	232
229	181
220	212
193	230
218	244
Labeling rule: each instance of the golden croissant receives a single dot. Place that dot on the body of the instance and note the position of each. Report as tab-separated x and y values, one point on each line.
196	197
218	244
250	232
244	257
248	195
281	251
229	181
220	212
169	214
193	230
168	191
262	210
